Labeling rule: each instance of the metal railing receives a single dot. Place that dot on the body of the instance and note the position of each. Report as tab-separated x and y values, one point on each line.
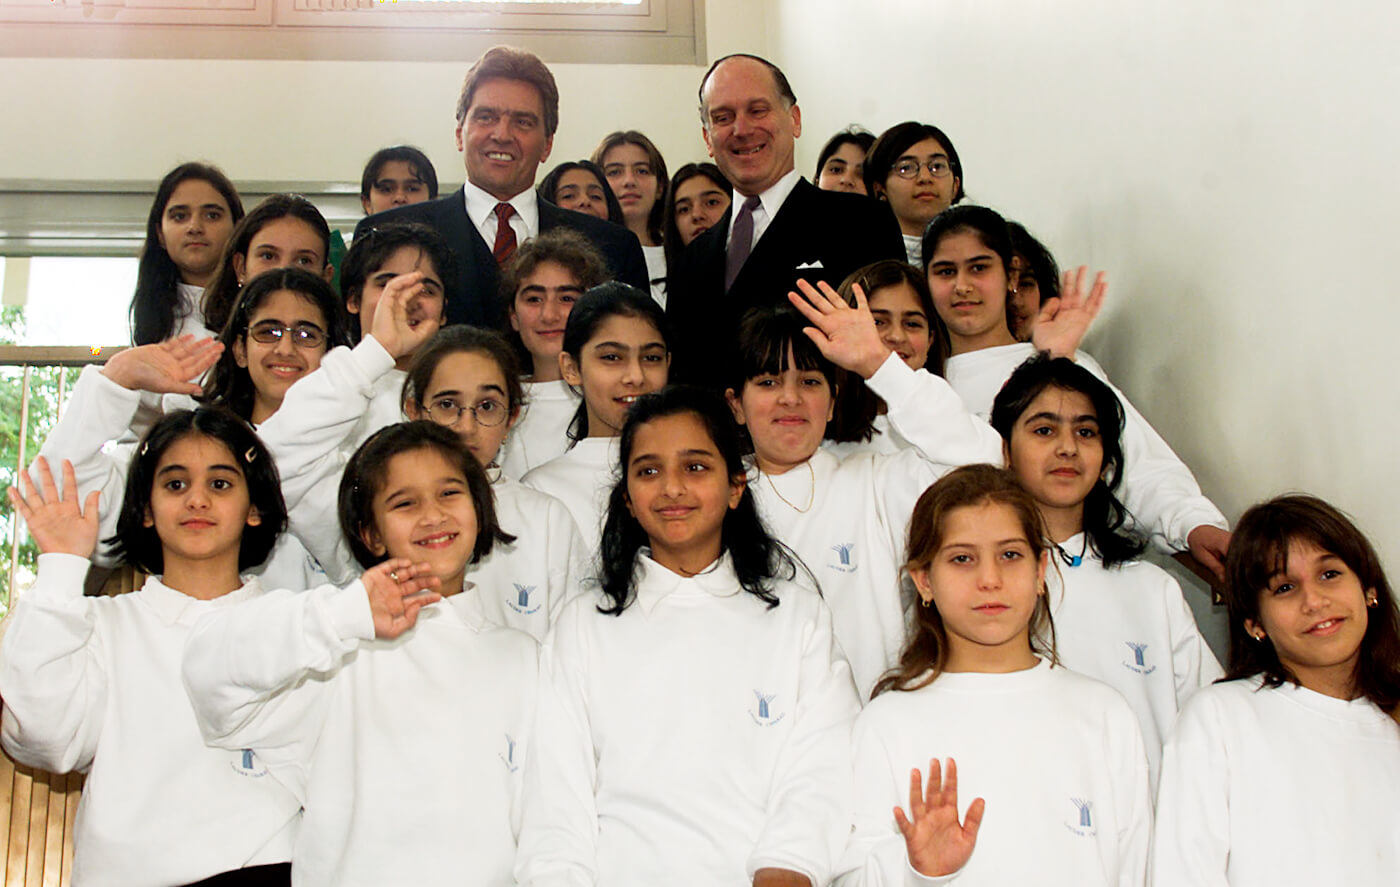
28	358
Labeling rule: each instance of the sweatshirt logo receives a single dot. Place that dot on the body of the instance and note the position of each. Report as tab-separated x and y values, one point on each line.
1085	826
509	757
845	558
1139	663
521	604
248	765
763	715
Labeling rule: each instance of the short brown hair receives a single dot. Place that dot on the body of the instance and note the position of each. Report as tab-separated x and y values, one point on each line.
512	63
562	246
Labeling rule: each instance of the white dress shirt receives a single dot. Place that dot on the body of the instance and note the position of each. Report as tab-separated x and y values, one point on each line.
481	210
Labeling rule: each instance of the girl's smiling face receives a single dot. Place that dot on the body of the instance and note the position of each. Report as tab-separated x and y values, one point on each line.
467	393
287	242
785	413
678	489
424	513
902	323
633	181
274	367
624	359
199	503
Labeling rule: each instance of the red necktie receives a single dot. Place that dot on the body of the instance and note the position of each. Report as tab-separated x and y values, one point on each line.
505	234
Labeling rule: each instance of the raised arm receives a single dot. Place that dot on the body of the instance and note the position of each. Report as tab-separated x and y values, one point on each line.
53	673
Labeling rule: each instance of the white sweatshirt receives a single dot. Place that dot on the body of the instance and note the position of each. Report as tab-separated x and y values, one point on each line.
189	313
582	479
542	432
1158	489
1130	627
886	441
99	412
1057	757
93	684
406	754
852	535
525	582
1265	787
695	738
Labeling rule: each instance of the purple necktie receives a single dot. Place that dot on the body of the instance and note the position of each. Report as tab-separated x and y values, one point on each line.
740	241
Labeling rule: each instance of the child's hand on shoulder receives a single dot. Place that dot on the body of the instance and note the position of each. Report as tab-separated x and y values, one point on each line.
397	590
57	523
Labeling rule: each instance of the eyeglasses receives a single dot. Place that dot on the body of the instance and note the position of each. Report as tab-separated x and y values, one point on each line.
937	167
447	411
304	335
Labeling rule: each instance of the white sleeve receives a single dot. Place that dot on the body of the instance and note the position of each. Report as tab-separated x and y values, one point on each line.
876	855
808	820
570	563
1158	490
257	674
1193	664
1191	840
53	671
315	520
318	414
98	411
1134	790
926	410
558	833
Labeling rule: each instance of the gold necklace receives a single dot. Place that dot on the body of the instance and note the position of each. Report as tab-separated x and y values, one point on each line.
811	493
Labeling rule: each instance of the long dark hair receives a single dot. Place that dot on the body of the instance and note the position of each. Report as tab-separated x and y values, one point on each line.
671	238
548	188
223	289
925	653
1259	552
1105	519
758	558
656	218
153	302
368	471
230	385
592	310
856	405
139	545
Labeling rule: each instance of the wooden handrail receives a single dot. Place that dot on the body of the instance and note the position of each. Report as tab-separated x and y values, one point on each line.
56	355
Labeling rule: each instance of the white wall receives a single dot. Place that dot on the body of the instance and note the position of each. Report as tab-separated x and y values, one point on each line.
1232	166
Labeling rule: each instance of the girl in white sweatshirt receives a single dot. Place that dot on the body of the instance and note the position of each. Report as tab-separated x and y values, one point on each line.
614	351
846	518
694	718
1052	758
92	684
1117	618
1288	771
401	727
543	280
968	260
283	323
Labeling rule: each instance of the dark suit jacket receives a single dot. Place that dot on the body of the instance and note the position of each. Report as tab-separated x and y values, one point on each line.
841	232
475	297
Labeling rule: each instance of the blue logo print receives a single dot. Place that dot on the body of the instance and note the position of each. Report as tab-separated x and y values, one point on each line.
521	604
765	717
248	765
509	757
1139	663
845	554
1085	827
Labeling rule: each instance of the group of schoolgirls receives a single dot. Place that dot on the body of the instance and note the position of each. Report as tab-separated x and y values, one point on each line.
697	642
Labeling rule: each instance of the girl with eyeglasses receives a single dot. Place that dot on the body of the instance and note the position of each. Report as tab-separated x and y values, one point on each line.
254	362
915	169
463	378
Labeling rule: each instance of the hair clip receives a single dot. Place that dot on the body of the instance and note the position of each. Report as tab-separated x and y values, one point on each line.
145	445
250	455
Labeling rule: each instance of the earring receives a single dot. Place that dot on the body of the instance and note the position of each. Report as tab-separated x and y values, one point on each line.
925	602
1372	601
1258	636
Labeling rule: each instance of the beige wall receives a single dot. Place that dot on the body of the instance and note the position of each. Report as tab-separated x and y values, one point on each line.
1233	171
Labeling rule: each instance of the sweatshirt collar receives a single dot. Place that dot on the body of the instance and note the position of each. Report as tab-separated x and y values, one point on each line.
655	582
177	608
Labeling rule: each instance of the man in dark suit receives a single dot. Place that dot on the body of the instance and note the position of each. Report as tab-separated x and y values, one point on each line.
780	227
506	118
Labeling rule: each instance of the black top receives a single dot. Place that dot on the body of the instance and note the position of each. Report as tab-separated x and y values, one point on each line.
817	235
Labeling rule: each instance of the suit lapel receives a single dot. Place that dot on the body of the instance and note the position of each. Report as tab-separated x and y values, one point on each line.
775	254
